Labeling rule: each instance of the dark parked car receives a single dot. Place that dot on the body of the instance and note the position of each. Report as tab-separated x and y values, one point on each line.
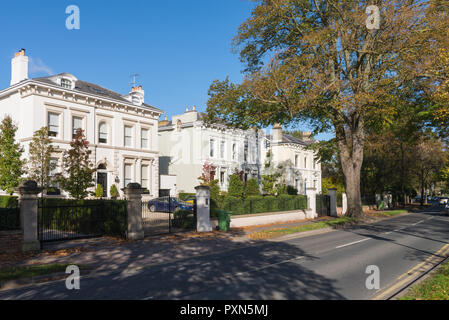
168	204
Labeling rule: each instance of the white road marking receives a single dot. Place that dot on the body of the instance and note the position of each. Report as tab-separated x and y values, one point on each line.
269	266
418	222
352	243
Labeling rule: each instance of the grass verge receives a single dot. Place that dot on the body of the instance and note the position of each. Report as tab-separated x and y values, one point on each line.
268	234
7	274
389	213
436	287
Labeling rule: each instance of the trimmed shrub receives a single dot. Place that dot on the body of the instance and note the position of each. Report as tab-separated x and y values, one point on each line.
99	191
233	204
292	191
253	205
183	195
114	191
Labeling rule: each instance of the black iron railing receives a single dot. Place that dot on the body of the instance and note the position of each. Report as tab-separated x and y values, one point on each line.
66	219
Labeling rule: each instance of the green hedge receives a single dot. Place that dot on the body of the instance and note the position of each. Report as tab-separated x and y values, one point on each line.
253	205
8	202
9	213
102	217
183	195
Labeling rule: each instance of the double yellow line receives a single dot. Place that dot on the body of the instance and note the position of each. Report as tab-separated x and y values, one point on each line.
414	272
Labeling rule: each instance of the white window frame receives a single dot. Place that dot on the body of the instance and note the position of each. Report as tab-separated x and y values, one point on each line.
131	166
222	149
212	147
59	115
143	178
147	138
132	127
83	124
99	132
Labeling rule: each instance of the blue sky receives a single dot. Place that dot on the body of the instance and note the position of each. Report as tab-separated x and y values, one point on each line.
177	47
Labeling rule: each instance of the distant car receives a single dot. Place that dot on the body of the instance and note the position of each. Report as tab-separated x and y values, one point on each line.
417	199
444	201
168	204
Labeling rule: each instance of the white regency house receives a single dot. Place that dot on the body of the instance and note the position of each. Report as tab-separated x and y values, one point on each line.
121	129
186	144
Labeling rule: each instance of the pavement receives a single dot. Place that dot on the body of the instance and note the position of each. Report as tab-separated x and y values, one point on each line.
323	266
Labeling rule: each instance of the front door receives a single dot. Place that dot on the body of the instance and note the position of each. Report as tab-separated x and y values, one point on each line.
102	179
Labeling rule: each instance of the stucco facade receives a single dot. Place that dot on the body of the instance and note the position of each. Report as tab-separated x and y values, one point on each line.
302	169
121	130
187	144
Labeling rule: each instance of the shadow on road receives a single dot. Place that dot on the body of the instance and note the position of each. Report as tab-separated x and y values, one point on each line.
267	270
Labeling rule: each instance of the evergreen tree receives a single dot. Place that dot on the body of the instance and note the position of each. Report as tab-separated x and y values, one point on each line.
78	169
252	188
39	161
11	164
236	187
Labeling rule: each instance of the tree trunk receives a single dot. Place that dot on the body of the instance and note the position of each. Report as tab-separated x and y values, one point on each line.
350	146
422	187
352	177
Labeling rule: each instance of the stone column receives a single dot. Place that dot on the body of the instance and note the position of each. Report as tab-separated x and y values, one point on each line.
203	209
333	202
344	200
311	203
133	193
28	191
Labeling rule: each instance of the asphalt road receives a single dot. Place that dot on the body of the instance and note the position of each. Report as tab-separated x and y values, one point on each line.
325	266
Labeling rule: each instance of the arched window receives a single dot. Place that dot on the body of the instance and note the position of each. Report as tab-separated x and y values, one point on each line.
103	133
102	167
178	125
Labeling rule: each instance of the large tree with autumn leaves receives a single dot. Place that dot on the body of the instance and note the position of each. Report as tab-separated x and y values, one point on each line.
317	61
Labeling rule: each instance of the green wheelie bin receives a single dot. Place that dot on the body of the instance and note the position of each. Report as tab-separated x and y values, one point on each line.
224	220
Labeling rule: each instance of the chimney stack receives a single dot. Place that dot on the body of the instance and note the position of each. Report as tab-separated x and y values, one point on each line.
19	67
277	133
137	95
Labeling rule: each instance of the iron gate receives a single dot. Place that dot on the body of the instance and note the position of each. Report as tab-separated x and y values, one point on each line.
323	205
168	215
